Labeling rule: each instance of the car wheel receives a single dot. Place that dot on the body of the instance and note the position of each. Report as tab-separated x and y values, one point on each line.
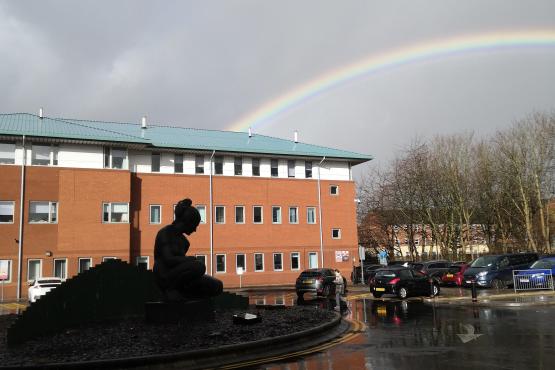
435	290
402	293
497	284
377	295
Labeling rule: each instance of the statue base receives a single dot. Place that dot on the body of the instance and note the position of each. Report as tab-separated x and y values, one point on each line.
174	312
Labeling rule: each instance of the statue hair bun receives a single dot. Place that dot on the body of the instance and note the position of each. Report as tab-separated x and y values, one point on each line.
187	202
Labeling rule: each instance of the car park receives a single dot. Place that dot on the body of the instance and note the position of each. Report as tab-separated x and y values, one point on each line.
536	275
320	281
454	274
402	282
41	286
496	271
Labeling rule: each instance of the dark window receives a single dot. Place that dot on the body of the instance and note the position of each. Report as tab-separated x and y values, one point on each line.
155	162
256	167
238	166
220	263
308	169
290	168
418	274
219	165
258	262
257	214
274	167
199	164
201	258
178	163
240	260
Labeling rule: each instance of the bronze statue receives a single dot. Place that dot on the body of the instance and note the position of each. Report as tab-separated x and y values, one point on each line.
178	276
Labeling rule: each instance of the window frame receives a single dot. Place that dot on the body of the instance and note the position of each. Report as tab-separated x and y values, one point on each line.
50	203
274	260
298	255
110	204
79	259
256	172
218	165
261	215
6	160
244	215
137	258
317	263
54	268
216	215
308	169
203	257
255	266
238	166
151	206
178	163
308	213
338	233
108	258
154	155
336	187
272	162
53	150
244	261
202	221
225	263
296	221
279	221
13	211
109	157
291	164
199	164
29	260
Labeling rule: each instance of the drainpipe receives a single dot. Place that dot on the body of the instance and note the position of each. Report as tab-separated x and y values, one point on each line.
21	203
211	219
320	214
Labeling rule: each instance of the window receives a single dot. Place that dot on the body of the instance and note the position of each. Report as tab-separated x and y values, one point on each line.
155	162
7	153
43	212
34	269
178	163
44	155
278	261
115	212
6	270
220	262
201	258
256	166
240	262
155	214
293	215
60	268
336	233
220	214
84	264
238	164
239	214
295	261
334	190
258	262
290	168
280	301
6	212
276	215
202	211
257	214
308	169
104	259
142	262
219	165
310	215
274	168
312	260
115	157
199	164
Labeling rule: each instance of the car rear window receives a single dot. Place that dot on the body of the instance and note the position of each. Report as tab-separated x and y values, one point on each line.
49	281
454	269
50	285
386	273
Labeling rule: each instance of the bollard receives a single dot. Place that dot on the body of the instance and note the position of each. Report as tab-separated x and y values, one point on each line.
474	294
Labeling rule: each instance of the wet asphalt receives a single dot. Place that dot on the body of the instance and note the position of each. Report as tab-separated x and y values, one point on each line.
411	334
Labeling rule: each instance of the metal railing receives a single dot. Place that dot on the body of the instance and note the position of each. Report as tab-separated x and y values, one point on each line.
535	279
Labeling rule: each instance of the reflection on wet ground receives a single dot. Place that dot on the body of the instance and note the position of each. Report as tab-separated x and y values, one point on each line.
409	334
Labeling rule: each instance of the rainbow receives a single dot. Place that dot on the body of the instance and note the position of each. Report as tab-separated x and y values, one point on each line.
418	53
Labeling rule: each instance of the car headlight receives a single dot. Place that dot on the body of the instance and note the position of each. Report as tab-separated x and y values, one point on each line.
482	273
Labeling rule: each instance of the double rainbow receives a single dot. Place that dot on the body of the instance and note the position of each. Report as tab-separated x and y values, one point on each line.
419	53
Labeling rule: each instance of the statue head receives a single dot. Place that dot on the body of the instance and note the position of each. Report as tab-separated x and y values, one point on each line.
187	217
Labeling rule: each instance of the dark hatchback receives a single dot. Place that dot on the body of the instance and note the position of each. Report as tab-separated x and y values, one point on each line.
402	282
319	281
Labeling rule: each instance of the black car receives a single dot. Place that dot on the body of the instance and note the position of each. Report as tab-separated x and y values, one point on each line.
435	269
320	281
402	281
356	275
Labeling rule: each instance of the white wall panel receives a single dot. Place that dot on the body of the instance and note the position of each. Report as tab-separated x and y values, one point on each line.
166	163
189	164
81	156
139	161
265	170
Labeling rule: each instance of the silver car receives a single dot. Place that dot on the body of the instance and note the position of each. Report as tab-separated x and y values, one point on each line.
39	287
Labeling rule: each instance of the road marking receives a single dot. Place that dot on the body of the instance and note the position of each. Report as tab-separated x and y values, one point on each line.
357	327
12	306
469	335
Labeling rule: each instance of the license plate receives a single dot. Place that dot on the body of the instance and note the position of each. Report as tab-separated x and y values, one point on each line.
309	281
380	289
449	275
382	311
524	280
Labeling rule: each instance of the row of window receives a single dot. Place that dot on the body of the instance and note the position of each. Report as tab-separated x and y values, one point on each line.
35	270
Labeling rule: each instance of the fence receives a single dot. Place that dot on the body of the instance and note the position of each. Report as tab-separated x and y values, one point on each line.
532	279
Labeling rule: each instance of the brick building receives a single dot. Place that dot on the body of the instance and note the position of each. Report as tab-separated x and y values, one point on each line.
96	190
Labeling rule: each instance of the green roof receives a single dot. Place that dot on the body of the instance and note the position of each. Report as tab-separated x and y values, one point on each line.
159	136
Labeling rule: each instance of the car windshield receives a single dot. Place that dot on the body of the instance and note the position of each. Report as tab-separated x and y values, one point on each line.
49	281
310	274
542	264
50	285
485	261
386	273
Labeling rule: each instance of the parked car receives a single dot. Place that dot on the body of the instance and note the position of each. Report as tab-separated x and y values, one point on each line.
39	287
319	281
435	269
454	275
356	275
535	276
403	282
496	271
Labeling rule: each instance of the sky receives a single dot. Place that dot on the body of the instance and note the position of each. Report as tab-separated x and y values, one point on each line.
228	65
